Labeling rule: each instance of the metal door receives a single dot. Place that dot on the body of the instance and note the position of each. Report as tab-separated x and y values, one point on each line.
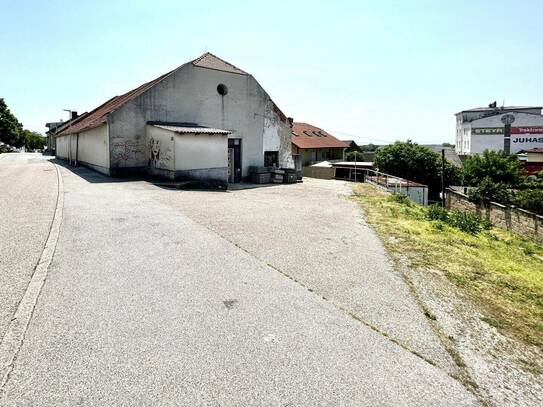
234	160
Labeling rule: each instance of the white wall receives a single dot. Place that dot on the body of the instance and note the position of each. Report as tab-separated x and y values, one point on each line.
481	142
93	149
193	152
190	95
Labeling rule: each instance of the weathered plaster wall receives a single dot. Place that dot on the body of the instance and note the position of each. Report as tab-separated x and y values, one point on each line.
160	150
63	147
190	95
93	149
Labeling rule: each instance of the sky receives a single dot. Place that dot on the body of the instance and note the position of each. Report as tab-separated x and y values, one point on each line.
372	71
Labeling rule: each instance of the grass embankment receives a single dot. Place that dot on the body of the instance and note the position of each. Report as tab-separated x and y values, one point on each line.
500	271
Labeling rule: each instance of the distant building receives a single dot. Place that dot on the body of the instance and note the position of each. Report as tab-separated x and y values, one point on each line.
450	152
484	128
312	144
351	144
532	160
56	127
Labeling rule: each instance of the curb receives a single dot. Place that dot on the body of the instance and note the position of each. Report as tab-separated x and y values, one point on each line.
14	336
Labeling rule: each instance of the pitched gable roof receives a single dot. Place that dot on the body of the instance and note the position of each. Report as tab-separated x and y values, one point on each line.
98	116
210	61
307	136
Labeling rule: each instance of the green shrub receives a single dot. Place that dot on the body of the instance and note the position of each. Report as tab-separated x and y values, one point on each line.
400	198
436	212
530	199
467	222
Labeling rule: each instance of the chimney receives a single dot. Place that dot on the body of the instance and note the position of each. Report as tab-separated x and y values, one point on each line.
290	121
74	115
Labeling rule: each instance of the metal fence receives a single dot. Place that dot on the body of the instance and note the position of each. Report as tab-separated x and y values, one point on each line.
413	190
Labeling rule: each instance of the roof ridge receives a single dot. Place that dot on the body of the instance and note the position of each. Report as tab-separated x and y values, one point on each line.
196	61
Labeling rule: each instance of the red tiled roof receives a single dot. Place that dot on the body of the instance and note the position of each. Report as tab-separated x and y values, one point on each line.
307	136
98	116
535	150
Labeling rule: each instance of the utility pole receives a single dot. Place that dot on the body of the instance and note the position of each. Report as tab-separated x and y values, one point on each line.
442	177
69	127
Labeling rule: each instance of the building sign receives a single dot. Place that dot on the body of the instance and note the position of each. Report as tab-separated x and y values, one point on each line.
514	130
487	130
522	140
508	119
526	130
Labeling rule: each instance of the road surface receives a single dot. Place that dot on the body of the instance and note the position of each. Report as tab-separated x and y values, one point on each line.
164	297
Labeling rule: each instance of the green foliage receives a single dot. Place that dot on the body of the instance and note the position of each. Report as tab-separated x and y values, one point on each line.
33	140
497	166
436	212
530	199
354	156
467	222
10	128
12	133
489	190
416	163
400	198
368	148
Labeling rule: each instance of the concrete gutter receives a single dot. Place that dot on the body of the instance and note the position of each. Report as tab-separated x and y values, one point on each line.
14	336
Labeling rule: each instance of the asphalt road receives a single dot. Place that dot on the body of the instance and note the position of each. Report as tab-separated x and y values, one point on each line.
144	304
28	195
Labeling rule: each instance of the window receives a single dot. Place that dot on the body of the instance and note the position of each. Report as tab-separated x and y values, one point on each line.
271	159
222	89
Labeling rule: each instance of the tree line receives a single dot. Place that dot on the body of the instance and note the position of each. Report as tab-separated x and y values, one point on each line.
13	133
492	176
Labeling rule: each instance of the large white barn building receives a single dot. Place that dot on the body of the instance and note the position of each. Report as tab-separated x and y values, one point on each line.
483	128
206	119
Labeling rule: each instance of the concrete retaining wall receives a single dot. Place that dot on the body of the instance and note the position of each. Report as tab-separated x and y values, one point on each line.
519	221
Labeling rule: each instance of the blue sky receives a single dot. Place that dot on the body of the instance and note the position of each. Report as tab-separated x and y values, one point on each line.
375	70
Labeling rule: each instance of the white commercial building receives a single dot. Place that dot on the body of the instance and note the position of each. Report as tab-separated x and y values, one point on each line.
486	128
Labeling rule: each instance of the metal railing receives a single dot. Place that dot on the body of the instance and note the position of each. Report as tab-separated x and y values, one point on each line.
413	190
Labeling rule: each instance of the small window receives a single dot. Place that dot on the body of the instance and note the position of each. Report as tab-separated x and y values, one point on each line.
271	159
222	89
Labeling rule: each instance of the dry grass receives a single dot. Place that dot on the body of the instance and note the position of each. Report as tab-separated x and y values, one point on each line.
499	270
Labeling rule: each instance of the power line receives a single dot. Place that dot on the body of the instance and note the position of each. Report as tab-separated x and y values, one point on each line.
361	138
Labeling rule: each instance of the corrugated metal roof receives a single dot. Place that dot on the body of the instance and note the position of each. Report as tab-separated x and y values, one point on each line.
191	129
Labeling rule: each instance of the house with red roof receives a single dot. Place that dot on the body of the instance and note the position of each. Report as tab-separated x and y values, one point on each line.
206	119
313	144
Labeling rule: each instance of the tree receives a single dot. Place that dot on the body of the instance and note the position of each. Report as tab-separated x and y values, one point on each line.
368	147
489	190
354	156
416	163
10	128
33	140
498	166
530	199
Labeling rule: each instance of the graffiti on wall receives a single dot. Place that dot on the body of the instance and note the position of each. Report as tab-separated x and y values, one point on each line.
126	151
160	156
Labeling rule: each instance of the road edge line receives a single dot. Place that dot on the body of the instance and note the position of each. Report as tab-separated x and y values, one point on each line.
14	336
